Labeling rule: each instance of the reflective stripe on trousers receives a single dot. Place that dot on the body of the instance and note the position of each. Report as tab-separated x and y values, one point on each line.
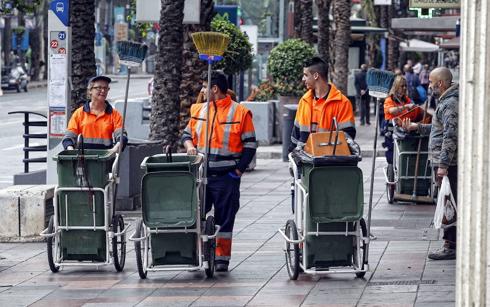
223	192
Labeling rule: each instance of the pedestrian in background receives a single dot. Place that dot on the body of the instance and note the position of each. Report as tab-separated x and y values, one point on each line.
412	83
424	77
232	146
443	144
363	94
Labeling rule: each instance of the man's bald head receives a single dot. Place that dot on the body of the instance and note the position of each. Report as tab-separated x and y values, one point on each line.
443	74
440	80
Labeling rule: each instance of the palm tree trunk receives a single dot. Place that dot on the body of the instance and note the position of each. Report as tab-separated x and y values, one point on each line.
192	67
323	28
82	13
307	21
341	16
297	18
164	120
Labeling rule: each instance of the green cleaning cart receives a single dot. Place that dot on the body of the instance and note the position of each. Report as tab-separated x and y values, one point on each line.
327	234
403	182
84	231
174	233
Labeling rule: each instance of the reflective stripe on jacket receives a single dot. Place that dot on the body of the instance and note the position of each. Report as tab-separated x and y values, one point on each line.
99	131
232	132
315	115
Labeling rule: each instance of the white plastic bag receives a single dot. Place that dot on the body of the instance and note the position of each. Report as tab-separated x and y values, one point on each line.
445	215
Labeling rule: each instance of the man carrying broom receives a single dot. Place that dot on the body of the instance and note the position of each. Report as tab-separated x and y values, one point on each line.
232	146
321	103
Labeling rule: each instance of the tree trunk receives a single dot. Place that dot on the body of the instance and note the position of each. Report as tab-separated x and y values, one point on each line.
307	21
393	45
37	43
7	41
82	13
341	11
192	67
323	28
164	120
297	18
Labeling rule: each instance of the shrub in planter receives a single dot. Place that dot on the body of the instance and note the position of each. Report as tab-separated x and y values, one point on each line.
285	64
265	92
238	54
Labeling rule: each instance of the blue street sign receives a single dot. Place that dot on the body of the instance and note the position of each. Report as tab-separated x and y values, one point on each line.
62	35
61	8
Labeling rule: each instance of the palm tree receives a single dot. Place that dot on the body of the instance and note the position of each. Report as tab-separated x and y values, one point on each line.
164	120
323	28
192	67
341	17
307	21
82	13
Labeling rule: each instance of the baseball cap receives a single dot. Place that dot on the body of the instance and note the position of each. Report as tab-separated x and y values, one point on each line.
96	78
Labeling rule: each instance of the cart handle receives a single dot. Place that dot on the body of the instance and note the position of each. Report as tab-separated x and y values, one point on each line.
48	235
118	234
301	238
385	172
132	238
217	227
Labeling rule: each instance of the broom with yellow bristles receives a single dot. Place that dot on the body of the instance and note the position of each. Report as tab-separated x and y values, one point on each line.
211	47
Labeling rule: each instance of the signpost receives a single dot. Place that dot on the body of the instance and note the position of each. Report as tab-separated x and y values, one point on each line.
59	74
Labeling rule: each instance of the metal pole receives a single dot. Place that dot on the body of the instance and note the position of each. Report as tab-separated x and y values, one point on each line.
206	154
373	166
116	175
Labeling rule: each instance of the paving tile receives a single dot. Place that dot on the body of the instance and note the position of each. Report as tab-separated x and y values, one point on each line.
386	298
435	297
224	301
276	300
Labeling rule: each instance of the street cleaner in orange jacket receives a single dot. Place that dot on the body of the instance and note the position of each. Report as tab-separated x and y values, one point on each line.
98	123
321	103
232	146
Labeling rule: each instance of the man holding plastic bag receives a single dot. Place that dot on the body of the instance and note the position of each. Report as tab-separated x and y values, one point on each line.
443	144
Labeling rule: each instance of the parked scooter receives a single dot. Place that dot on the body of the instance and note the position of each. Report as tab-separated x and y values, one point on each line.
15	79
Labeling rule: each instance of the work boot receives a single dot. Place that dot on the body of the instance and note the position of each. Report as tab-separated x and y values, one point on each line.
444	253
221	266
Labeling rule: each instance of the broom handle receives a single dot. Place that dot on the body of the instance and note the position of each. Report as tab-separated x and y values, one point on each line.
417	160
373	165
206	154
116	176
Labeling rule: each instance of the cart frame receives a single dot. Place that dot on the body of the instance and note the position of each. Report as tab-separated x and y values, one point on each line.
143	234
301	205
53	232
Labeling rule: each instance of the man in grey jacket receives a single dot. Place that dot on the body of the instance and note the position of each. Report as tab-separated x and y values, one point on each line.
443	144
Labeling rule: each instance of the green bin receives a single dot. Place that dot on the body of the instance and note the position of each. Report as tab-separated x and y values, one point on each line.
406	165
169	201
90	169
336	196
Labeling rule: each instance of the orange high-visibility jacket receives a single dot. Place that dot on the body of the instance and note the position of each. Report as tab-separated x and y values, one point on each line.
99	131
231	133
415	114
315	115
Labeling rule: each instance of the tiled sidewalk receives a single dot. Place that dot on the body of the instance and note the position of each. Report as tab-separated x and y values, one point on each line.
400	273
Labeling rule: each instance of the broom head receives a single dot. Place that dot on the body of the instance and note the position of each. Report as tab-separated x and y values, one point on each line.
379	82
210	45
131	53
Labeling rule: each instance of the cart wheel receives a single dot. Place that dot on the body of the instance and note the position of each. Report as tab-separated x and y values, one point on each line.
137	248
118	243
390	188
292	250
362	223
51	245
210	246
